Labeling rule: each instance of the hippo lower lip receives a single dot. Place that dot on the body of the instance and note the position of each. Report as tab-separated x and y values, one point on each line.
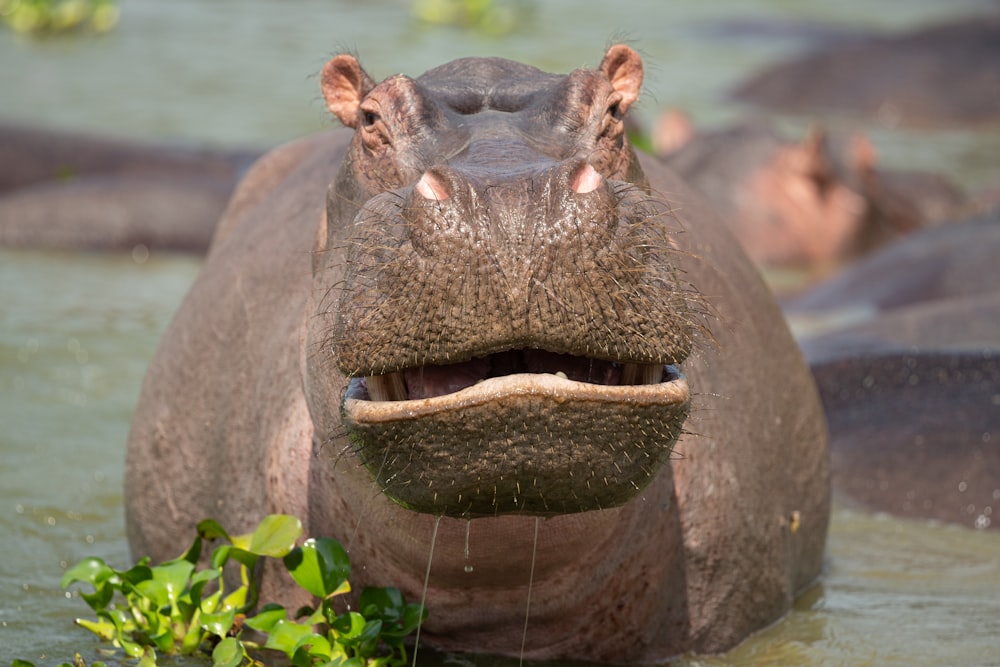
512	443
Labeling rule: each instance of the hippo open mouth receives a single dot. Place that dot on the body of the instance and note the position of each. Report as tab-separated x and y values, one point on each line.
521	431
438	380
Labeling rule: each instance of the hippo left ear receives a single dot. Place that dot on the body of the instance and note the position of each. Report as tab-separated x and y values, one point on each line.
344	85
623	67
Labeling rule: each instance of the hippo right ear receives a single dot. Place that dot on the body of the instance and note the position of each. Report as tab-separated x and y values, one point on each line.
344	85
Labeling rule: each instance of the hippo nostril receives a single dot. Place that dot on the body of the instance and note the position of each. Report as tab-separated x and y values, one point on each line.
586	180
431	186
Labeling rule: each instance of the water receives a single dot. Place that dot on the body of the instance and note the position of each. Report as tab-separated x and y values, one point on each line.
76	331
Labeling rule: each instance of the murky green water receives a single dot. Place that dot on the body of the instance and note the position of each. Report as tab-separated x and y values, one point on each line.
77	331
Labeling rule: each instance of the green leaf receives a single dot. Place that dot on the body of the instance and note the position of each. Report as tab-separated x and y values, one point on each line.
154	591
102	629
384	603
286	636
174	576
99	575
220	555
321	566
21	663
148	658
265	619
123	631
218	623
276	535
193	553
228	653
210	529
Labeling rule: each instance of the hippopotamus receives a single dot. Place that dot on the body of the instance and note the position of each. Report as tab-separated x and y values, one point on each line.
503	358
68	190
936	76
910	379
814	203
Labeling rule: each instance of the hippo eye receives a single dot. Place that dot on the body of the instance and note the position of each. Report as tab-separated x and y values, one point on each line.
368	118
615	111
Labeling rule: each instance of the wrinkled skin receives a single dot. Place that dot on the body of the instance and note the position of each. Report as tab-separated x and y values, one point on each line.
937	76
76	191
815	203
487	221
911	388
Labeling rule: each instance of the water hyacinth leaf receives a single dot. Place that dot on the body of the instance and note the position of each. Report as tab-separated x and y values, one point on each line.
194	636
123	631
210	529
154	591
348	626
102	629
220	555
287	636
275	536
99	575
148	659
199	581
228	653
384	603
134	575
265	619
174	576
193	553
218	623
320	566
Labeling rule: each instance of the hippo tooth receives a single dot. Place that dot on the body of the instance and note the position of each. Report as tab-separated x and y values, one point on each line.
641	374
388	387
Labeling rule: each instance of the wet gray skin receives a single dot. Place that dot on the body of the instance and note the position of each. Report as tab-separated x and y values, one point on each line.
510	313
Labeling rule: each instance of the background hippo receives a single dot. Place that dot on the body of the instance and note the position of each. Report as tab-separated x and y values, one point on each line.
811	203
910	379
80	191
941	75
496	283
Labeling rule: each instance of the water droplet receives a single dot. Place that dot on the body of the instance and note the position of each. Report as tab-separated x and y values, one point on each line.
468	568
19	508
962	486
982	522
51	520
140	253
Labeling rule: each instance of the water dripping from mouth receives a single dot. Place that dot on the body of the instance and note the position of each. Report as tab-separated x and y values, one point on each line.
531	579
468	530
423	596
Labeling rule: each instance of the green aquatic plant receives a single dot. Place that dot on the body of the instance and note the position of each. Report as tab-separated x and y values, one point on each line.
178	608
40	17
493	17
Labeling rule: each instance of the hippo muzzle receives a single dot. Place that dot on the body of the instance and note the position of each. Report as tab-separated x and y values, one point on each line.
509	315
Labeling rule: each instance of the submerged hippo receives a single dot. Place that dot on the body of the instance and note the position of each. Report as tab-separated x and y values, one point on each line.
910	381
935	76
815	202
63	189
470	335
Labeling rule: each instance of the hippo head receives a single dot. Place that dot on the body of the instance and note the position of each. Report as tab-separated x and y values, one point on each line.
496	286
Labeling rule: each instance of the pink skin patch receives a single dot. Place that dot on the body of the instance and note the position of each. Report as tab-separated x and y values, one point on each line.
587	180
430	187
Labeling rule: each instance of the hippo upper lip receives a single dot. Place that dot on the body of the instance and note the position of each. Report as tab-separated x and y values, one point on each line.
438	380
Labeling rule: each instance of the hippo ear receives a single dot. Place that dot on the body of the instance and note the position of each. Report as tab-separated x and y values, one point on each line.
344	85
623	67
